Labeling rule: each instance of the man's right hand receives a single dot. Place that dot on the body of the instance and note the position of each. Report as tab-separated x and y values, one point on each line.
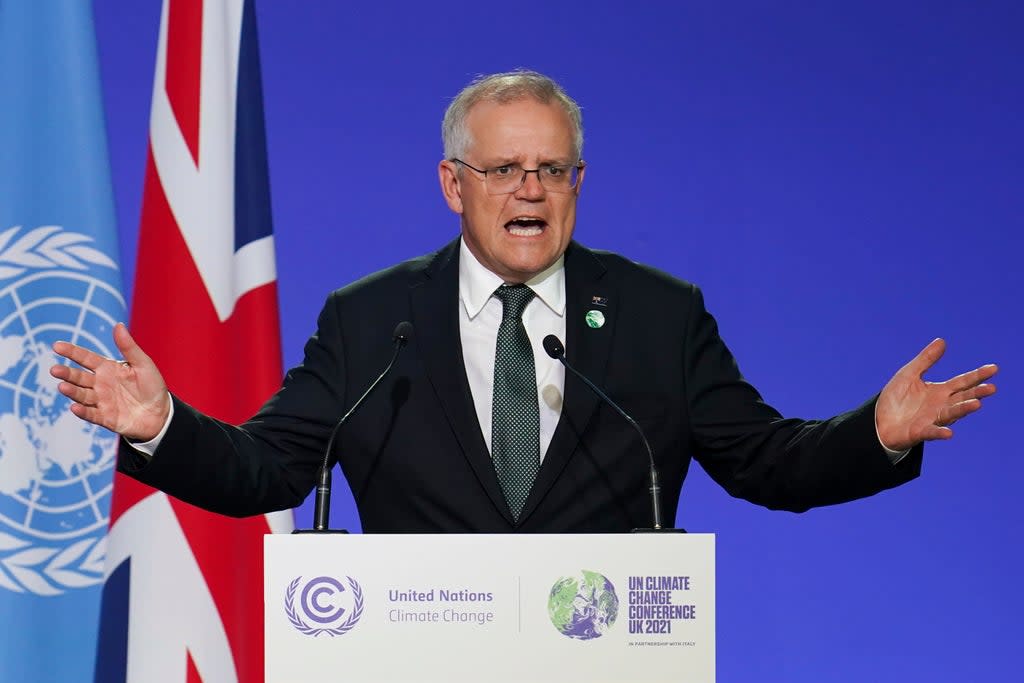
128	397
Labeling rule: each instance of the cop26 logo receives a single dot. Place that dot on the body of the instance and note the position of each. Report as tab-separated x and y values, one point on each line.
324	605
55	470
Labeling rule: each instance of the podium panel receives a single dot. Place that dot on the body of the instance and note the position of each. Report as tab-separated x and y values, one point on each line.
633	608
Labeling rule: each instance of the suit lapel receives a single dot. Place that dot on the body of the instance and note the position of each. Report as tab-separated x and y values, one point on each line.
587	348
434	303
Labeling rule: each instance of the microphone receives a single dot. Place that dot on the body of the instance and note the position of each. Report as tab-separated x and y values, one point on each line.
322	503
554	348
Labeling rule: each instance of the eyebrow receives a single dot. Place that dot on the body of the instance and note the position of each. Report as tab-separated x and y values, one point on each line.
513	162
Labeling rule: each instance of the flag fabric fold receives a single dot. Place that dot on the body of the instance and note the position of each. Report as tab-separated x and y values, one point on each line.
184	599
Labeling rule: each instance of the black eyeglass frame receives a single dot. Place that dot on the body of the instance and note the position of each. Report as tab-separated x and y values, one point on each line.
579	166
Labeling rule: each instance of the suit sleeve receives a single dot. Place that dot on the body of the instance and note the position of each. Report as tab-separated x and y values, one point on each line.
754	453
268	463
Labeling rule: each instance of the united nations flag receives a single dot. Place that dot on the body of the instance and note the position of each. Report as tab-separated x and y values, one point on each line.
59	279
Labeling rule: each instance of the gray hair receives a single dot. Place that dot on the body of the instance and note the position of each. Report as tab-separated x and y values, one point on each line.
504	88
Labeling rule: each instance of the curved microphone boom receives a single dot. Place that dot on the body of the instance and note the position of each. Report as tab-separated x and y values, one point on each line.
322	503
554	348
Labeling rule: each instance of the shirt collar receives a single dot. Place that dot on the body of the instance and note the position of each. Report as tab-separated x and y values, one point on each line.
477	284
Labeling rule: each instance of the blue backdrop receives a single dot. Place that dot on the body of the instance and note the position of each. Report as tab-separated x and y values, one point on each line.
843	180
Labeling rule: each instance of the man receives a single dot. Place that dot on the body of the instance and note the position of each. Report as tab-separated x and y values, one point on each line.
477	429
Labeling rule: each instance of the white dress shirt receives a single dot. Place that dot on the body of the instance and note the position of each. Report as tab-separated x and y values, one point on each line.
479	319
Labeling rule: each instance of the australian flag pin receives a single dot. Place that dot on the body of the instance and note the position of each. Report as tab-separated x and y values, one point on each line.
599	300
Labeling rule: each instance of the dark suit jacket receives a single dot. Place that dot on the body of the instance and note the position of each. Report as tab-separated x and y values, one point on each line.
414	454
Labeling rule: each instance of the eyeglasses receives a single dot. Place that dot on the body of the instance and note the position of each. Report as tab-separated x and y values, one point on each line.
510	177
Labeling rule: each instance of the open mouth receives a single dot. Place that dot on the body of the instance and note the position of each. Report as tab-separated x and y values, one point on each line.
526	226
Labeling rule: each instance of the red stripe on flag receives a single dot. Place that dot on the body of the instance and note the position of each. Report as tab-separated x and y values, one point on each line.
205	362
127	492
184	66
192	674
230	553
227	369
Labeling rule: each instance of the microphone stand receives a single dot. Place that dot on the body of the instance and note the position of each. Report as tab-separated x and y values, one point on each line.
556	350
322	503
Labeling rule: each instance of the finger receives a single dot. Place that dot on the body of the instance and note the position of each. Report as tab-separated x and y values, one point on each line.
980	391
82	378
937	433
86	397
130	351
972	378
60	371
952	413
89	414
84	357
927	358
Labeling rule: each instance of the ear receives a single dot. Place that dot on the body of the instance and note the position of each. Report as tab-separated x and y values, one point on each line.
447	173
579	180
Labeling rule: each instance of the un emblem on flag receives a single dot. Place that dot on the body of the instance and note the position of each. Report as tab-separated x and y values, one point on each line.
56	471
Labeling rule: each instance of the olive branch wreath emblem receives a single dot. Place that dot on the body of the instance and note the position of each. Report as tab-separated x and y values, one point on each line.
48	246
47	570
41	569
341	629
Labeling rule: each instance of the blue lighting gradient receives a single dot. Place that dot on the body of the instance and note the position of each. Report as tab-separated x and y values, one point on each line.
844	180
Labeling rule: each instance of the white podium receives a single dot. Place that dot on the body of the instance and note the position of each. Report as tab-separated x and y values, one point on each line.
633	608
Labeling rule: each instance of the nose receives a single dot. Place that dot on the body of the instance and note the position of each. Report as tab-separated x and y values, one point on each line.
531	189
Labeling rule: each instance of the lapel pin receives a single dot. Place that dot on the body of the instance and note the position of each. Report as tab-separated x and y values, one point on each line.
599	300
595	319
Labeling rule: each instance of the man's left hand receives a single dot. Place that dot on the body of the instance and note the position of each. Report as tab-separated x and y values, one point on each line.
911	410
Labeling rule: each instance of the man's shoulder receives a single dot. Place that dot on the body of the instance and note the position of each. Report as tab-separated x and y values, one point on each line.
627	272
400	276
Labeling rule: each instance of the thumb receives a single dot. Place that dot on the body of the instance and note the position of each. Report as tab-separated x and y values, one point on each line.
130	351
928	357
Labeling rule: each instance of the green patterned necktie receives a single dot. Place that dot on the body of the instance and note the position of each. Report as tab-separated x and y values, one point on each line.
515	414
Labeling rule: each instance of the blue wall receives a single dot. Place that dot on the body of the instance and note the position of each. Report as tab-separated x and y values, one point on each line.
843	180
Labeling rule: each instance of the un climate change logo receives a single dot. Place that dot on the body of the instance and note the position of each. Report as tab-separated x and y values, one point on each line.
583	607
55	470
324	601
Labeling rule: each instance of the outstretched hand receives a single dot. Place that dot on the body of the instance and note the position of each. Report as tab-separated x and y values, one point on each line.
911	410
128	397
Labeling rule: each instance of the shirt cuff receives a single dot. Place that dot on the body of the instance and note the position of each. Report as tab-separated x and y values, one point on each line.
148	448
894	456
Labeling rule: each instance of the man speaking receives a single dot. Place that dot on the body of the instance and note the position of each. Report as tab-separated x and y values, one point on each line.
476	428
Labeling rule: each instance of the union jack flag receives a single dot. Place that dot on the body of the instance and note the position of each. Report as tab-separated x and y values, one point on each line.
183	599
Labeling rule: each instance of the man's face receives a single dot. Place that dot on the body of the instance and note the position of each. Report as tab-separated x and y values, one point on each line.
516	235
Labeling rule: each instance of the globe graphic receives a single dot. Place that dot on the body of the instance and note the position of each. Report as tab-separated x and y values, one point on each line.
55	470
584	606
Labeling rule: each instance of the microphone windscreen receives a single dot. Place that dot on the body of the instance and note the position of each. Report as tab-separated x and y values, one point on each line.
553	346
403	332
